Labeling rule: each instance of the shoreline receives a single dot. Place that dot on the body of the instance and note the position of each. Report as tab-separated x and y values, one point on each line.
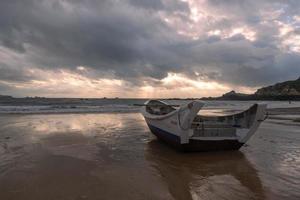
271	111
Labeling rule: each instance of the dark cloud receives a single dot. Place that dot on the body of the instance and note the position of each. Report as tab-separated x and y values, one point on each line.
14	74
154	4
130	40
5	89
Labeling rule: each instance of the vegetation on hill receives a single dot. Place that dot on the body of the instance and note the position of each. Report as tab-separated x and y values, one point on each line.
284	88
288	90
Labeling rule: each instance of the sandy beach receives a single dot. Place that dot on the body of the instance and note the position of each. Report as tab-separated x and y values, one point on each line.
114	156
82	83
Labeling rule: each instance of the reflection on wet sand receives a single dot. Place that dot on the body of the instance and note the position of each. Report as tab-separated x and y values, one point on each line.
220	175
114	156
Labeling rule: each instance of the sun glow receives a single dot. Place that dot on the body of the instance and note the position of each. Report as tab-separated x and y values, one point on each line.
180	86
61	83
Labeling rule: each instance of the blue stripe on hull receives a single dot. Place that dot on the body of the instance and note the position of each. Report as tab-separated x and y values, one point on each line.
164	135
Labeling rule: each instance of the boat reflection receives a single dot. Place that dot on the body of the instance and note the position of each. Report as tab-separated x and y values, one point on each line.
218	175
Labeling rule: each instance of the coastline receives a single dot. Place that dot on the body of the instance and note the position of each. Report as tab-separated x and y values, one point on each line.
284	113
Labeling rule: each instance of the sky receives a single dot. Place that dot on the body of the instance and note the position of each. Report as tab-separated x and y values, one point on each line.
146	48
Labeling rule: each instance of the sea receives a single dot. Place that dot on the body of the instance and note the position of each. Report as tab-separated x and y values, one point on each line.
45	105
102	149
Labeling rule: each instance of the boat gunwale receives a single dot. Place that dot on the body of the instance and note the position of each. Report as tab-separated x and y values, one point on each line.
152	116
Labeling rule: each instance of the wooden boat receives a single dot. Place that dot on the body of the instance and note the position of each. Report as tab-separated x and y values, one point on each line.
186	130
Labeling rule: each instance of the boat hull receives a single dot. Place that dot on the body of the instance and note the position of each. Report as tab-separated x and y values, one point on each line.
195	145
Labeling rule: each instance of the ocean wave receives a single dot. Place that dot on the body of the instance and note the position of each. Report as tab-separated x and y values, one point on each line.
125	106
68	109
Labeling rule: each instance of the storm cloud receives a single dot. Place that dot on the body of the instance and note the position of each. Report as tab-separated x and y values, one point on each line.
141	42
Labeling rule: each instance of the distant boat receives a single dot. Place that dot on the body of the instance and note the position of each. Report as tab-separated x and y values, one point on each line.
186	130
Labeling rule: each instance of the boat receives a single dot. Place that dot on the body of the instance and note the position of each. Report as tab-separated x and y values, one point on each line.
185	129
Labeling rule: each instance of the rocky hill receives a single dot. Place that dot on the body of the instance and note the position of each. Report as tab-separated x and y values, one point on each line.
284	88
288	90
233	93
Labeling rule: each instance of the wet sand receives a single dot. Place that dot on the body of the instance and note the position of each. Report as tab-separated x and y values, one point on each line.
113	156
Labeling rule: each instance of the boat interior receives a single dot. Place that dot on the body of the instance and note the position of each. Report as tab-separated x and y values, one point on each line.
159	108
223	126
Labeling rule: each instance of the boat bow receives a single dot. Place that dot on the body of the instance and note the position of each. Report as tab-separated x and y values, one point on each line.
186	114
